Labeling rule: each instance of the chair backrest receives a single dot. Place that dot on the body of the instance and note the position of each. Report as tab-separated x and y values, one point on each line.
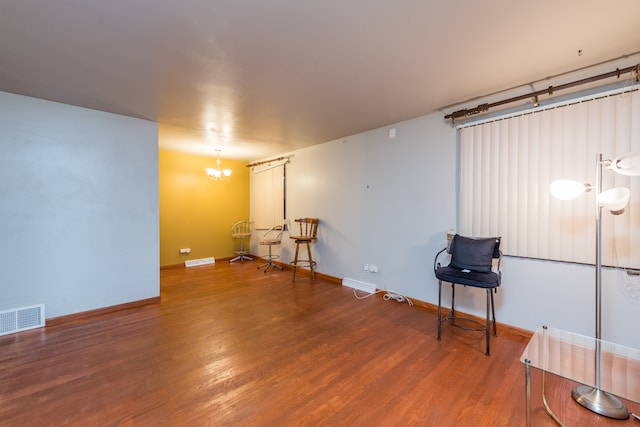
242	228
308	227
273	234
475	254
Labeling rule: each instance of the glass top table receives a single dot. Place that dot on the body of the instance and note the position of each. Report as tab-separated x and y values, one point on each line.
606	366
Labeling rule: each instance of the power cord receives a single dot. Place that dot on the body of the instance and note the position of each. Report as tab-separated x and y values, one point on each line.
355	293
397	297
388	296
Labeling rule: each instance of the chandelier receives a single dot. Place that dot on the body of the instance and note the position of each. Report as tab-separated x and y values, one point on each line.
218	173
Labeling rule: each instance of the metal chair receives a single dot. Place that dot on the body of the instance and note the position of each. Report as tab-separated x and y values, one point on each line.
307	235
241	231
471	264
271	237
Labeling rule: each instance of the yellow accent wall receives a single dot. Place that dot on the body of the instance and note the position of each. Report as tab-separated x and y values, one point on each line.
196	212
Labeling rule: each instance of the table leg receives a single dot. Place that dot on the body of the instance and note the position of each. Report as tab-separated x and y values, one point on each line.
527	382
544	400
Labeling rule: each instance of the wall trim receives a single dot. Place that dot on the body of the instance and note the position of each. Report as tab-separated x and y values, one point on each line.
501	326
83	315
77	317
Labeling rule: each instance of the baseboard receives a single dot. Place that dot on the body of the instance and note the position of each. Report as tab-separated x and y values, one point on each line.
433	308
182	265
303	270
83	315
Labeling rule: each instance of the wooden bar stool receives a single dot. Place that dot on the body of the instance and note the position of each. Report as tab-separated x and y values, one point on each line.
308	231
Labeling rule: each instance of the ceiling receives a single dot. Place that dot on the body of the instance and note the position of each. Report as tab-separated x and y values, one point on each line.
258	78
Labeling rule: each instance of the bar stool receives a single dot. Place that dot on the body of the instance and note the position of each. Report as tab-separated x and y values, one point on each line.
241	231
271	237
308	231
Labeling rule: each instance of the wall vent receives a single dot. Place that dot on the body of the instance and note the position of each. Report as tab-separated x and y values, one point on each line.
201	261
356	284
21	319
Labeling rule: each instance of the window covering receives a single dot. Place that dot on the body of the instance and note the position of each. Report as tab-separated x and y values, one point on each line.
268	196
507	165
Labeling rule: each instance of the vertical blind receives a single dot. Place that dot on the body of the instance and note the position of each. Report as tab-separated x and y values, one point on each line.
507	165
268	195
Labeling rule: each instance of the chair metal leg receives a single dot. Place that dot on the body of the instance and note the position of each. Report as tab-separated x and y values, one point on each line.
488	321
493	313
485	326
241	254
270	264
452	314
439	307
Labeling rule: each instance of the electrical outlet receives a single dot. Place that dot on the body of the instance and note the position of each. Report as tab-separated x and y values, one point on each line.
185	251
371	268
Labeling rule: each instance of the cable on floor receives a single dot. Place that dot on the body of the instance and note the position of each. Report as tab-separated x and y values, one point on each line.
355	293
397	297
388	296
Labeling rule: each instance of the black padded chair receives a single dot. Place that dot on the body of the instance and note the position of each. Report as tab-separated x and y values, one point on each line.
471	264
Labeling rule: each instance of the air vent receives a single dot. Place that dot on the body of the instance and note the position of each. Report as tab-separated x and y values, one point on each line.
201	261
356	284
21	319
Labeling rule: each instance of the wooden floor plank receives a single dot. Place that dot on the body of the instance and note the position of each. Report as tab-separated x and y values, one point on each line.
231	345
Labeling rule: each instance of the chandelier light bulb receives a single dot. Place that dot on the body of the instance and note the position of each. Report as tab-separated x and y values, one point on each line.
218	173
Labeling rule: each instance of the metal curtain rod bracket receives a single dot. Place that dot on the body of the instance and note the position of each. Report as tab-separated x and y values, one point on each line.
250	165
548	91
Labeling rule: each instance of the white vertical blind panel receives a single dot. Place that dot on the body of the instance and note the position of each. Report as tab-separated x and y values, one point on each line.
507	165
269	197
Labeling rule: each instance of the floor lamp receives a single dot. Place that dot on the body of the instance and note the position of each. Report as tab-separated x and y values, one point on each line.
615	201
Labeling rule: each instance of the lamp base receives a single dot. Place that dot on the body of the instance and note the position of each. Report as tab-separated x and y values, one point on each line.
600	402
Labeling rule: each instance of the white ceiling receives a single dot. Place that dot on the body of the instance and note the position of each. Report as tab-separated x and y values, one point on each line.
258	78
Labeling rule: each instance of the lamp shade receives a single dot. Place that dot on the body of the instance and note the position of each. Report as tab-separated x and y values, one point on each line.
565	189
615	199
627	164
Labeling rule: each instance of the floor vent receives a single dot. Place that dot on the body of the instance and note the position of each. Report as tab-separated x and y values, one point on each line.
201	261
21	319
356	284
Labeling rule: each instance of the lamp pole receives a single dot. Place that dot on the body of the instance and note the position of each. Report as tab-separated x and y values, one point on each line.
593	398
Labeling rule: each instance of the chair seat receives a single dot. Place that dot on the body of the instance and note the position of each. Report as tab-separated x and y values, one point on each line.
270	241
241	235
470	278
302	238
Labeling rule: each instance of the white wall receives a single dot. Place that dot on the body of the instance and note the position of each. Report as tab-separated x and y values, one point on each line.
79	210
390	202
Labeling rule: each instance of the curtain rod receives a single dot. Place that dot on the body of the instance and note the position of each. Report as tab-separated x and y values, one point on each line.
548	91
268	161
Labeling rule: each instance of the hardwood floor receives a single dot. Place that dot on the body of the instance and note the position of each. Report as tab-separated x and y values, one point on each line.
231	346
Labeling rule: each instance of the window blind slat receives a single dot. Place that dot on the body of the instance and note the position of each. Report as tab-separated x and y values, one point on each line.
507	165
